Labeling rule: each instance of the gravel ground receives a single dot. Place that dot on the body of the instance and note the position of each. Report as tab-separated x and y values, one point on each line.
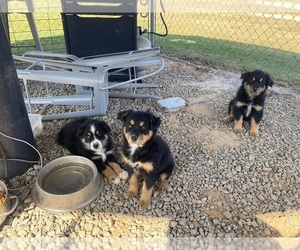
226	184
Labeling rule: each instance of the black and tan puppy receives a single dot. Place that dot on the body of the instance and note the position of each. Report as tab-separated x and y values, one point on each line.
90	138
248	104
147	155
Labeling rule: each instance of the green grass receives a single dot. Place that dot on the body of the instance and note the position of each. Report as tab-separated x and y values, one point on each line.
282	65
237	41
232	41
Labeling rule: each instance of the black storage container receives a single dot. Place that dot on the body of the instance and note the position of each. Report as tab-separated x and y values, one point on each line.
89	34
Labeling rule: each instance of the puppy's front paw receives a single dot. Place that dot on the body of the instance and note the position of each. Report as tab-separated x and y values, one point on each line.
123	175
254	128
237	129
144	202
254	132
132	193
228	119
116	180
111	175
162	185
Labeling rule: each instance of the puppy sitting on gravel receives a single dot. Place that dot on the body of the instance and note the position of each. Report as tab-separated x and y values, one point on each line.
147	154
90	138
248	104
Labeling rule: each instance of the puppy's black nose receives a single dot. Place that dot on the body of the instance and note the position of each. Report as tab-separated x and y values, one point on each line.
134	137
255	87
95	145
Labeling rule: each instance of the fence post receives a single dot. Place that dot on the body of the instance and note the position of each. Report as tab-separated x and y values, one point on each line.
14	121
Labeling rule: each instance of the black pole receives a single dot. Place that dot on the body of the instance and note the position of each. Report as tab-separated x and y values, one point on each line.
14	121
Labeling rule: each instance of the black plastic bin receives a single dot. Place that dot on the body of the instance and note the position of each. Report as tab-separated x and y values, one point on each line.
97	34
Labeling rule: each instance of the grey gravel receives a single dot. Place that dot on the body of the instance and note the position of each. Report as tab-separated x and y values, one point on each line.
226	184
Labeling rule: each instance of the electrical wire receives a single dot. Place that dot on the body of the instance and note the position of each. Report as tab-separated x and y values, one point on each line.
165	25
20	160
5	159
161	17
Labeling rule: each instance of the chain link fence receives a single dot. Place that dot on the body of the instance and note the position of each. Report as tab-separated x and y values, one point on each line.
237	36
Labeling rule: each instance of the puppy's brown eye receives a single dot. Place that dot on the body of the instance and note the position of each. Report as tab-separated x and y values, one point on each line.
89	134
97	133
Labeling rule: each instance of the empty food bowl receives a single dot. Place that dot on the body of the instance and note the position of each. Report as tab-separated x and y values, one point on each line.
67	183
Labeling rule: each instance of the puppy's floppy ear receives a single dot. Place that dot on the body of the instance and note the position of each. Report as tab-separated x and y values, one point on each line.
105	126
243	75
269	80
123	114
154	121
81	130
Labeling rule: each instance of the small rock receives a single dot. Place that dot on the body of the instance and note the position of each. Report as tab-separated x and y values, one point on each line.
173	224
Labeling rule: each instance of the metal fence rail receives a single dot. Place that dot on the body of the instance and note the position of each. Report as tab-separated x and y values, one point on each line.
244	35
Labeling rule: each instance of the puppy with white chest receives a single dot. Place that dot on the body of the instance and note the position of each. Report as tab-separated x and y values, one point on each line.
90	138
147	155
248	104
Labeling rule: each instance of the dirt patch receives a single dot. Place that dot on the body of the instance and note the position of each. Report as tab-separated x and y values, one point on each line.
201	111
286	223
210	138
215	138
214	204
184	67
174	122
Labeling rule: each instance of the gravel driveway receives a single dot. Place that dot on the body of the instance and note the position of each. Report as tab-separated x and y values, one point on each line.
226	184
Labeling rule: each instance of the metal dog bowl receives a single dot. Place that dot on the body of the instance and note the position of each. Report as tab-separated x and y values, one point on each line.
66	184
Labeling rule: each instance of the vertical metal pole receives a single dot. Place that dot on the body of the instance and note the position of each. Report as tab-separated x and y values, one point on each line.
3	16
32	24
14	121
152	22
34	31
